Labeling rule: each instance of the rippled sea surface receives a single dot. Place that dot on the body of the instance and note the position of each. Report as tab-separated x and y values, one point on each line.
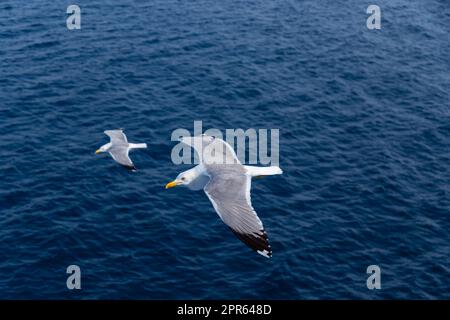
364	119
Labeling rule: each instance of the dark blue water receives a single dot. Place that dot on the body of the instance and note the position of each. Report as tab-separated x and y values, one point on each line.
364	119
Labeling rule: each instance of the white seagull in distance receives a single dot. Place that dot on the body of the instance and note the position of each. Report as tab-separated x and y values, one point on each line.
227	182
118	147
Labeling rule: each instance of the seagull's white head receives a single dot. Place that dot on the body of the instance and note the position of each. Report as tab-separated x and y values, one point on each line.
184	178
103	148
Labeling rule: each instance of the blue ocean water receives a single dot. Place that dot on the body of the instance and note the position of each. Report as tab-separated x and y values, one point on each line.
364	145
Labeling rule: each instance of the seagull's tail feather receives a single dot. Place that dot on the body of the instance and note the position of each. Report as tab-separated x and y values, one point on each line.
138	145
263	171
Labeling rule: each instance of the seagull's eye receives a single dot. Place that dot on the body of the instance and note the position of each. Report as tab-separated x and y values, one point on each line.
183	178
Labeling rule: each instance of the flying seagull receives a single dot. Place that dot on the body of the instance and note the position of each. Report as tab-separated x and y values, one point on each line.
227	183
118	147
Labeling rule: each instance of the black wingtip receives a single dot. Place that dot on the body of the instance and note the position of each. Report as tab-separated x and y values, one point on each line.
130	168
257	242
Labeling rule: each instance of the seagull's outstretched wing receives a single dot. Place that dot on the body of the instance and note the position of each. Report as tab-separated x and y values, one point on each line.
211	150
229	192
117	136
120	154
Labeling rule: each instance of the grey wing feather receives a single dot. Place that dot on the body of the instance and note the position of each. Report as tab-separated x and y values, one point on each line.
229	192
116	136
121	156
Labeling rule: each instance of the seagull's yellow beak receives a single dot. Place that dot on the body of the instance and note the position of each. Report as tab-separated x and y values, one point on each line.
172	184
98	151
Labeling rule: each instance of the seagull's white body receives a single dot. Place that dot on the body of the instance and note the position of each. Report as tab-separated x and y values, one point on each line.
227	183
119	148
202	178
